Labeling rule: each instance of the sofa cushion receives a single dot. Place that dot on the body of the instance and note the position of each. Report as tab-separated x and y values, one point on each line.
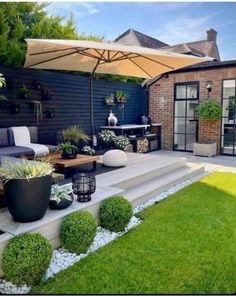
33	130
4	137
16	151
51	148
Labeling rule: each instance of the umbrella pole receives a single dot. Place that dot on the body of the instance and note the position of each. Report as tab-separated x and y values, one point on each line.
91	104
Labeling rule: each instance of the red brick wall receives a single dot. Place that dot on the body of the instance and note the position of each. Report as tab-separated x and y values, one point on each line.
161	101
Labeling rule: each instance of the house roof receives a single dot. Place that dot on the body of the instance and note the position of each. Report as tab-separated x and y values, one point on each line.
199	48
133	37
198	67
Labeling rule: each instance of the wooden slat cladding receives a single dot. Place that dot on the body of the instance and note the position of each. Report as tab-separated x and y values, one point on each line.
70	99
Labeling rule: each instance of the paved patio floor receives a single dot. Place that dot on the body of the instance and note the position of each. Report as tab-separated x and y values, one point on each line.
216	163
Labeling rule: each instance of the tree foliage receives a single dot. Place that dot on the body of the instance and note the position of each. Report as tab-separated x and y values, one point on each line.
20	20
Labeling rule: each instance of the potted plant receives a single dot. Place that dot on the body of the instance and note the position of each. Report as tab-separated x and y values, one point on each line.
15	107
208	111
69	151
107	138
88	150
24	92
120	96
121	142
27	187
50	113
109	100
76	136
46	94
61	197
3	101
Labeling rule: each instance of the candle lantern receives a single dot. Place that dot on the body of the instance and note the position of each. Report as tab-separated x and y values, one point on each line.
83	185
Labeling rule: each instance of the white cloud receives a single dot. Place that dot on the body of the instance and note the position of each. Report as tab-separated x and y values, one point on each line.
184	29
160	6
79	9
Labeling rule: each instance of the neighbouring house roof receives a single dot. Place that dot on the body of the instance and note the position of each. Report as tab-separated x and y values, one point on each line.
133	37
198	67
199	48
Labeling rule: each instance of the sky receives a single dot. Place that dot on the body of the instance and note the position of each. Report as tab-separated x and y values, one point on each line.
170	22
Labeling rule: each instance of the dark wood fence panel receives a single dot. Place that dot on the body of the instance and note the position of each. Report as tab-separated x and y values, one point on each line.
70	99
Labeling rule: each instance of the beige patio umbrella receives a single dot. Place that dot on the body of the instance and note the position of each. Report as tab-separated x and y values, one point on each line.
101	57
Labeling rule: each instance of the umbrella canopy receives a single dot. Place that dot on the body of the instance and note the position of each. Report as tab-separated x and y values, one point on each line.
109	58
101	57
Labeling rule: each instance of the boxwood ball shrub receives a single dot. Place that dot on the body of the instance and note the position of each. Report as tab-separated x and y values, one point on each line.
26	259
115	213
78	231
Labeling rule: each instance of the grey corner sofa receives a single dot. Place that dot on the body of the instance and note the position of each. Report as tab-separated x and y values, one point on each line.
8	148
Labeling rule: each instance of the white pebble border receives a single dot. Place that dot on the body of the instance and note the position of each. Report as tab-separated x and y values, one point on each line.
62	259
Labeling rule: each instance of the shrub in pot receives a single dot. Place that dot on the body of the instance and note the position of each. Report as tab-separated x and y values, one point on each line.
75	135
115	213
69	151
61	197
121	142
107	138
27	187
78	231
88	150
26	259
208	111
24	92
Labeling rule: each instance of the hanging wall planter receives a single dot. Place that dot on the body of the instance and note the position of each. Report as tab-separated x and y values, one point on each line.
50	113
24	92
15	108
120	96
46	95
37	85
110	100
3	101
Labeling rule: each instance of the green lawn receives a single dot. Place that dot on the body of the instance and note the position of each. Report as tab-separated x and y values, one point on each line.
186	244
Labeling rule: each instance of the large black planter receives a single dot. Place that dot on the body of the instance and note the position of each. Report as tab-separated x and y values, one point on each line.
27	200
63	204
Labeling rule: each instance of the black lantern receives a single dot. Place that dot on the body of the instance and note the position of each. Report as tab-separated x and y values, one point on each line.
83	185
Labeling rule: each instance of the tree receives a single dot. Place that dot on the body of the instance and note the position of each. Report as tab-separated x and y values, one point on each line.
20	20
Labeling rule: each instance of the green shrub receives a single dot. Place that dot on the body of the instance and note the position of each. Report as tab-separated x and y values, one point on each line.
78	231
26	259
115	213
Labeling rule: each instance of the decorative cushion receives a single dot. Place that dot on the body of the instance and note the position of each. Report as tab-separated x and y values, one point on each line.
115	158
4	137
33	130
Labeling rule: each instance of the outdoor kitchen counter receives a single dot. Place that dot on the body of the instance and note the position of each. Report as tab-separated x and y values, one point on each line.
121	129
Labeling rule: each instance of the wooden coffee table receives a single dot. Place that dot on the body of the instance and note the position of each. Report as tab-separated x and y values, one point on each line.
76	162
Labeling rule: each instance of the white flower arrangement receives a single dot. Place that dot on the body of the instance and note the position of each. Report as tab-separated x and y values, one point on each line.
107	136
89	150
121	142
58	193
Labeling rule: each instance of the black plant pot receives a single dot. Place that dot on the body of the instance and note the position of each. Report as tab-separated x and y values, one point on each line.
63	204
15	109
71	155
27	200
24	96
50	115
46	95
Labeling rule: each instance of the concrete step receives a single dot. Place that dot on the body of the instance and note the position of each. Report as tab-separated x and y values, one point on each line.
129	177
151	188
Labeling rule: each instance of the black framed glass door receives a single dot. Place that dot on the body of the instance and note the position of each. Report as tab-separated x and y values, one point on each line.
185	124
228	134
